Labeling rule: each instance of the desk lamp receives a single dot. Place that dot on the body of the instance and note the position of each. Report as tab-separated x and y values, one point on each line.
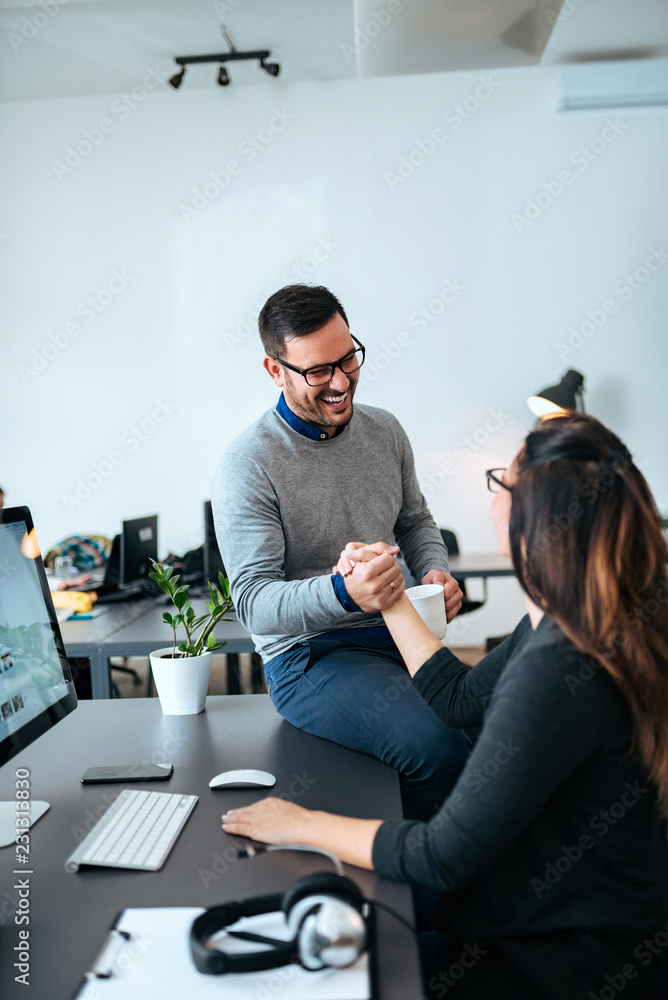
559	398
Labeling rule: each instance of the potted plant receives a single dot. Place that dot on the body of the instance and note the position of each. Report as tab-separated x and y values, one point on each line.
181	671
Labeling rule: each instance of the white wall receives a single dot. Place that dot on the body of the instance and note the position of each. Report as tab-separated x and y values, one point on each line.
179	333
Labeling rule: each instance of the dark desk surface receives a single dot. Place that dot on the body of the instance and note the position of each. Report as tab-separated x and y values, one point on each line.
70	913
480	564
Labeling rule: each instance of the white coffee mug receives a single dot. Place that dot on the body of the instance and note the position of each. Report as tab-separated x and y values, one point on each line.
429	602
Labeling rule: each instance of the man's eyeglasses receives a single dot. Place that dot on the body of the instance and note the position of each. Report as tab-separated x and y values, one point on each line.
494	482
348	364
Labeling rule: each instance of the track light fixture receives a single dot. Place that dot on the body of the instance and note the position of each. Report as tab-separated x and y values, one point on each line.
176	80
261	55
273	69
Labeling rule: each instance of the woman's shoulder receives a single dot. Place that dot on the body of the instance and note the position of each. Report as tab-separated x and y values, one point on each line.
548	662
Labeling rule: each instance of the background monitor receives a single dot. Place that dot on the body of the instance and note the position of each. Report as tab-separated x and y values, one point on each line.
139	544
36	686
213	563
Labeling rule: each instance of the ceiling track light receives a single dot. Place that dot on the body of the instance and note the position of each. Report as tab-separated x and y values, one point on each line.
260	55
176	80
273	69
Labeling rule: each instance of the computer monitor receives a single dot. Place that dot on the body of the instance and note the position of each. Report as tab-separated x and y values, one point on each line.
139	544
213	563
36	685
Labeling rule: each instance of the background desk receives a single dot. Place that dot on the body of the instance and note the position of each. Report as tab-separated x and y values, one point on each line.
480	564
135	628
70	913
144	634
82	638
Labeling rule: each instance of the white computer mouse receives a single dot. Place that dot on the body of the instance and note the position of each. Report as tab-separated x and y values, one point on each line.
243	778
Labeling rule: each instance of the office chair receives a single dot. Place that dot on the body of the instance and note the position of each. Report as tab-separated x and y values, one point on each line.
451	544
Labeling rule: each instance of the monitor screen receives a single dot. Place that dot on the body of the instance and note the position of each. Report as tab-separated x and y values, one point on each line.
213	562
36	687
139	544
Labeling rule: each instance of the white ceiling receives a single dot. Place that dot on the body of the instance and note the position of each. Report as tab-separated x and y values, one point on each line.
64	48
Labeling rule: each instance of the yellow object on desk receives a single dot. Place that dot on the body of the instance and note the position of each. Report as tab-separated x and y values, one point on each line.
76	600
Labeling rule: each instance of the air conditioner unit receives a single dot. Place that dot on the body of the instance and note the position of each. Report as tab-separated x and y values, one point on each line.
601	86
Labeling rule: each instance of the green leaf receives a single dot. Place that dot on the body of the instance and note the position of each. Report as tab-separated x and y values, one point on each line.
190	613
211	641
218	645
178	620
166	586
180	597
167	618
183	646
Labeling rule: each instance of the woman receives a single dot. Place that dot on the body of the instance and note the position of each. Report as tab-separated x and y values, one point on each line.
550	852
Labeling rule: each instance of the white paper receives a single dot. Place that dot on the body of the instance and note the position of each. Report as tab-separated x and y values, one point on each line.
156	961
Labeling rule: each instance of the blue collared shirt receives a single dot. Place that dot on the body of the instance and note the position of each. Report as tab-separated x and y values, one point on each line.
301	426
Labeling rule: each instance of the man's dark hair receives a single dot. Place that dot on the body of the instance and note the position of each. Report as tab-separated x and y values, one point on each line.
295	311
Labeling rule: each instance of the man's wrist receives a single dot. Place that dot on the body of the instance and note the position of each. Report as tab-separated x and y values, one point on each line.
343	597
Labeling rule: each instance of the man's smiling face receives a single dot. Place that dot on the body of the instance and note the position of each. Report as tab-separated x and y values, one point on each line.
326	406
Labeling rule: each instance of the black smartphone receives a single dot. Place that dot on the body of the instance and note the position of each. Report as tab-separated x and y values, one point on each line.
127	772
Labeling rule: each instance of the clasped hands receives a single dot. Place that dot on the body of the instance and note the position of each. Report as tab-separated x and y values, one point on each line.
375	582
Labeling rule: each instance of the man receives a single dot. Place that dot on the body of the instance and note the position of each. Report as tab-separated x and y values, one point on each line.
289	493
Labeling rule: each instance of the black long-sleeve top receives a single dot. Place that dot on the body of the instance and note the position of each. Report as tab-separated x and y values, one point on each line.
550	846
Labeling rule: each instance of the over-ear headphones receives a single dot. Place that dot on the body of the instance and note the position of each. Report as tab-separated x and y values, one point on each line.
327	918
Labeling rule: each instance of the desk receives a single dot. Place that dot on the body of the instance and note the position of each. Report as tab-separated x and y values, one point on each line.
83	638
148	632
69	914
480	564
135	628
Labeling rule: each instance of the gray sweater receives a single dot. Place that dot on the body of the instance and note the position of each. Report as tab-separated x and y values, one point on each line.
284	506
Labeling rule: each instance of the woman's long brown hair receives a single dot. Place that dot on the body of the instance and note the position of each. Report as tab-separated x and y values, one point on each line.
589	549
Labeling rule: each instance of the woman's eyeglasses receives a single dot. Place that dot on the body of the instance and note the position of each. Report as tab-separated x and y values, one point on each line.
494	481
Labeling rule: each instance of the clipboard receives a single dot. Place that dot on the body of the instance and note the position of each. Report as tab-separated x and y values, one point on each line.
147	954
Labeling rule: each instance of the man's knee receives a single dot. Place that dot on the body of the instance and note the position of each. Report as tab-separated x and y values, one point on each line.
437	754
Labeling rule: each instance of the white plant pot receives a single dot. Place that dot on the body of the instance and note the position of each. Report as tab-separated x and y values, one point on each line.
181	683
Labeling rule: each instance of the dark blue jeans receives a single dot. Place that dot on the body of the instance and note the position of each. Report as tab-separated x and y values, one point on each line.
364	698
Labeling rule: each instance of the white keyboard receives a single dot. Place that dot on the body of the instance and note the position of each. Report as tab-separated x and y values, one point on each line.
138	831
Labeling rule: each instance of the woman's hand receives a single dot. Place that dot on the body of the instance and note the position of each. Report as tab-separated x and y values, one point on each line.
271	821
275	821
355	552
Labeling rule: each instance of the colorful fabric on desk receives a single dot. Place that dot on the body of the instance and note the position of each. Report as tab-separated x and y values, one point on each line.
85	551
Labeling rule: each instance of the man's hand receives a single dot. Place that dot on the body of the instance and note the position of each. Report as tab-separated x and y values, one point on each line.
372	574
451	590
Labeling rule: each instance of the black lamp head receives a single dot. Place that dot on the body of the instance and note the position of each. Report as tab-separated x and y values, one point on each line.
223	77
273	69
176	80
559	398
